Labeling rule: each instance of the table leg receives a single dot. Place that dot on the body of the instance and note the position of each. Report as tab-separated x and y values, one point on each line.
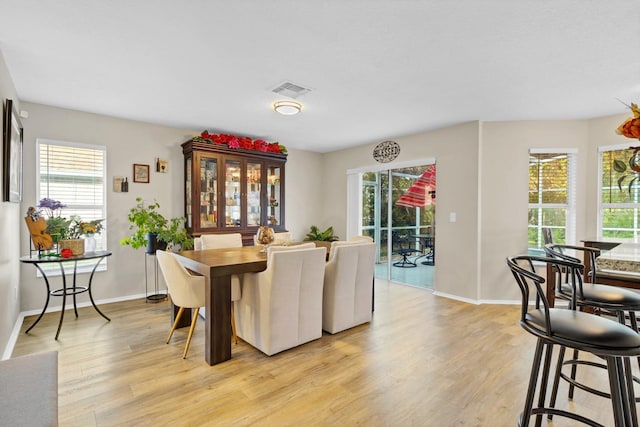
46	304
75	305
218	320
64	299
551	285
89	288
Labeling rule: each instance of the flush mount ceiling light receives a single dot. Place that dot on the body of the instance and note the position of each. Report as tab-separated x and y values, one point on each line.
287	108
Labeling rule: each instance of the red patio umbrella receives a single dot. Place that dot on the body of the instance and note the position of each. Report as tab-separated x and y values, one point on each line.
422	192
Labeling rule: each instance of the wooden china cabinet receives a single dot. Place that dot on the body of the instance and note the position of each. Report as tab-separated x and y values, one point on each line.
232	190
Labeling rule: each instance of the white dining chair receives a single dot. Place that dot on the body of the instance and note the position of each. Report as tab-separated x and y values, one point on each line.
186	291
281	307
348	285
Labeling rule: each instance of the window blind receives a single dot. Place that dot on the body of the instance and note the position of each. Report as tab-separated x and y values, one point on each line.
75	175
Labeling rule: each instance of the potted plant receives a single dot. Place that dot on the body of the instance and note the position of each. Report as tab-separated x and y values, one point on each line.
321	238
149	228
175	235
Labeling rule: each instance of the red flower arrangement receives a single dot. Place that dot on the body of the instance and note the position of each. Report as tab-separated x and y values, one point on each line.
243	142
631	127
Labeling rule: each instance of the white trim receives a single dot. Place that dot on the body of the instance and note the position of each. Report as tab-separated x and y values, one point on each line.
456	297
377	167
603	148
553	150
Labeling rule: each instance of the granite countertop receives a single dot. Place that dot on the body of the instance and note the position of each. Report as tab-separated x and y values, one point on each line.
624	257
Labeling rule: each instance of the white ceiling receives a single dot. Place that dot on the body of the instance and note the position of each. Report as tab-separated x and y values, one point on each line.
377	69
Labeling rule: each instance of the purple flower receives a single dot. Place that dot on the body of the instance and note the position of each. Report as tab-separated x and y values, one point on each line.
51	206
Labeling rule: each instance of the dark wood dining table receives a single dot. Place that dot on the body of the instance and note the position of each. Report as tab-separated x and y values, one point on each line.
218	265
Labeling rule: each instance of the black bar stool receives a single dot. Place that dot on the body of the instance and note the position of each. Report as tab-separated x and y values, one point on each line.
620	303
569	328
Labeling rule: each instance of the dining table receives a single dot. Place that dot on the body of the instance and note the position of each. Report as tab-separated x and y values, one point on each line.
217	265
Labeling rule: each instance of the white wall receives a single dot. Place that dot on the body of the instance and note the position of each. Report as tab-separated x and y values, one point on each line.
456	152
504	192
304	191
10	247
127	142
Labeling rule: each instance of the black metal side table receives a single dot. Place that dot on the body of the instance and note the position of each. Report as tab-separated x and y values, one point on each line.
64	291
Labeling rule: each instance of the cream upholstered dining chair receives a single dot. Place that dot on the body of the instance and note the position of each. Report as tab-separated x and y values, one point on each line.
360	238
281	307
348	285
223	241
186	290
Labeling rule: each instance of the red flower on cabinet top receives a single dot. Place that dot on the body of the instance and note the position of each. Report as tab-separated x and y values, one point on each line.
246	143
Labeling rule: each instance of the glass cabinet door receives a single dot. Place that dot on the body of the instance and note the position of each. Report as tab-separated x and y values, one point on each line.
254	173
274	216
232	191
208	192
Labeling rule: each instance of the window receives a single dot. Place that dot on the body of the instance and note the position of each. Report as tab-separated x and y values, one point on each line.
551	198
74	174
619	207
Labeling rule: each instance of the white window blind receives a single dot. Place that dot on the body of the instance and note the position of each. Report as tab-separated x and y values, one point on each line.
75	175
551	197
619	207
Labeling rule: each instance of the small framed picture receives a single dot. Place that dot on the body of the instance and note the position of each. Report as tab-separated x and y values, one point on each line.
140	173
117	184
162	166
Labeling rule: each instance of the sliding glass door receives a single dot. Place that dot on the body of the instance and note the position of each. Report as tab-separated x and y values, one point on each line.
398	212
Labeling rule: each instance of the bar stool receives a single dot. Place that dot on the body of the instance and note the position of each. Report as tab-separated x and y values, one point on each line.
569	328
603	299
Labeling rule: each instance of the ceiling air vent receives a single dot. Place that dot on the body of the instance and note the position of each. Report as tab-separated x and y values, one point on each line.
290	90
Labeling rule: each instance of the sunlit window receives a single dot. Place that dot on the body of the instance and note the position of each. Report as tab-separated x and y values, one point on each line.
551	198
619	213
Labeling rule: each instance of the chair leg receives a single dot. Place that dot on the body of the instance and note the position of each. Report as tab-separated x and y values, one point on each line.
542	394
556	381
533	380
191	329
613	368
233	323
175	323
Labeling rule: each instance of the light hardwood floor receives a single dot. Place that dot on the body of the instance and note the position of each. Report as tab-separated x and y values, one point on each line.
423	361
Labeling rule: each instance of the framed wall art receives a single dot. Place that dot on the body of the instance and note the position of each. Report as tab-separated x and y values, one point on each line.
140	173
162	166
12	154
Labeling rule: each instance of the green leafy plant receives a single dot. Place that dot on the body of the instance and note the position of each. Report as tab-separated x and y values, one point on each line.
175	234
146	219
315	234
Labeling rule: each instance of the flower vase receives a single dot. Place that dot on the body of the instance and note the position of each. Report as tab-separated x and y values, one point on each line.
89	243
265	236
